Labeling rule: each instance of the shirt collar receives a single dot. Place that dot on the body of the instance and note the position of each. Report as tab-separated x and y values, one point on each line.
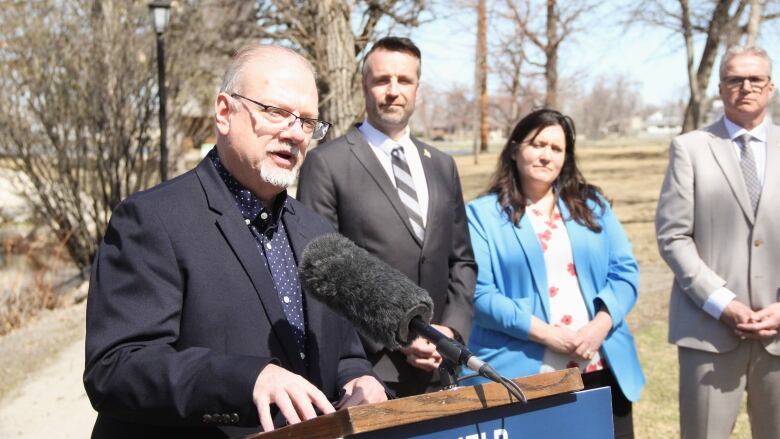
380	140
248	204
735	130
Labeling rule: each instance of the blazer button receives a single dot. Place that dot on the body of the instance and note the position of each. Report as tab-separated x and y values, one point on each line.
758	242
234	418
207	419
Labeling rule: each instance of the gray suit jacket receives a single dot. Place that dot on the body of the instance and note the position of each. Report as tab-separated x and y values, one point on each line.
710	237
343	181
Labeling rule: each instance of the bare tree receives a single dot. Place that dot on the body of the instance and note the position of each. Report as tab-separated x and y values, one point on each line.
425	111
79	95
607	107
323	30
456	116
714	20
78	82
519	86
201	38
561	20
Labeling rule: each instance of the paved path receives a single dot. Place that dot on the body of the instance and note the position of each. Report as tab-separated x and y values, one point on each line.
52	402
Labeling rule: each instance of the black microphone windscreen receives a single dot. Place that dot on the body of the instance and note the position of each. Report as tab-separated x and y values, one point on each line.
379	300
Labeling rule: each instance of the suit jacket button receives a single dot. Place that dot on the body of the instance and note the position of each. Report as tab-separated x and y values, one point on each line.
206	419
758	242
234	418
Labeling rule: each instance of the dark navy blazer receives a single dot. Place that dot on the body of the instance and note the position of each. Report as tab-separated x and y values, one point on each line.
182	316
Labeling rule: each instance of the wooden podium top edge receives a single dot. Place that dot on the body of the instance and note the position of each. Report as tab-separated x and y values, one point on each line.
402	411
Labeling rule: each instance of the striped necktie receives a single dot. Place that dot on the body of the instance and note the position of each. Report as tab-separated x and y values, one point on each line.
747	165
406	191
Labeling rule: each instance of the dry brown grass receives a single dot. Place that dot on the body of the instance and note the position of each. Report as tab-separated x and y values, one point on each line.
630	174
31	287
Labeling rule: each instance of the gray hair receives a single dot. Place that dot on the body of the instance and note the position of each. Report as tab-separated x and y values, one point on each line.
736	51
231	82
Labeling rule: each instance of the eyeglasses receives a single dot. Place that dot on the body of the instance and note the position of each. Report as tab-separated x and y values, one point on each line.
757	83
281	118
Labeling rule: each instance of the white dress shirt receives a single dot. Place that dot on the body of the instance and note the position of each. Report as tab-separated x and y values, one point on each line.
721	297
382	145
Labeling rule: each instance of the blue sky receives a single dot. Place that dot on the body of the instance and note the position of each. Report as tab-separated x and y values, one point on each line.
650	56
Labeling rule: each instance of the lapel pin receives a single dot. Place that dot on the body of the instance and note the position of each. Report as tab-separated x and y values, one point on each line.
426	153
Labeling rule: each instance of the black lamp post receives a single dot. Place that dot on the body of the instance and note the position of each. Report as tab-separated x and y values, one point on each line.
161	10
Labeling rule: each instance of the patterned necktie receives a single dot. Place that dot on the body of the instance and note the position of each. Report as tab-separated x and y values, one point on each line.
405	186
748	167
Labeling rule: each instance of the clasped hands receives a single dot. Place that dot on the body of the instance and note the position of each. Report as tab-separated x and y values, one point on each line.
749	324
298	399
581	344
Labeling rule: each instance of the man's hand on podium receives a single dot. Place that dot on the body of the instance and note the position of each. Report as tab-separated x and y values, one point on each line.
293	395
362	390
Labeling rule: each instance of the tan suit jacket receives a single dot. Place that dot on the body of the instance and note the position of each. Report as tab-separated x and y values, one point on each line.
710	237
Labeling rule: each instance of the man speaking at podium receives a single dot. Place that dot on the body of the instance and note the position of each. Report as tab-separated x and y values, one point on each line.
197	325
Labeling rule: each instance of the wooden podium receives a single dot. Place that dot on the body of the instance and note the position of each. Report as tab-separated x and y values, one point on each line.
458	412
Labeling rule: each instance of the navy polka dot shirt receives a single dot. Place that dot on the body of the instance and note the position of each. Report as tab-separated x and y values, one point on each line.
274	247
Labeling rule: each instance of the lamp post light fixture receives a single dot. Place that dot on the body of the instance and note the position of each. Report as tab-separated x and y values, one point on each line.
161	11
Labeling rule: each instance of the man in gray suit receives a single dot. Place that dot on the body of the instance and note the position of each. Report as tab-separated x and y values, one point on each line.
401	200
717	226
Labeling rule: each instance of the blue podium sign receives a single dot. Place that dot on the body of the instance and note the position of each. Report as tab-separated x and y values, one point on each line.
585	415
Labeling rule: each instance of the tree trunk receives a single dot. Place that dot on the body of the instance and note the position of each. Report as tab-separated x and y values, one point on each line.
514	105
720	18
692	111
482	76
335	46
551	55
754	21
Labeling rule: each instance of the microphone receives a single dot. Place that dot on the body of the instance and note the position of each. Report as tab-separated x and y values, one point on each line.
379	300
382	303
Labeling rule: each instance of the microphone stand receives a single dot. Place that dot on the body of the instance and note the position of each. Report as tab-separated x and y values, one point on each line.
456	353
447	377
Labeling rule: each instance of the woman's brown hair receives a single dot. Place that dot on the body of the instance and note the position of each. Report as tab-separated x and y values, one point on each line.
570	186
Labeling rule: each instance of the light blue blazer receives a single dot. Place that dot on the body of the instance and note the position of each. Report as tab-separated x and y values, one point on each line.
512	287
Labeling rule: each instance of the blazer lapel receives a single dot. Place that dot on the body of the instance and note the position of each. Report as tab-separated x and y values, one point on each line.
723	151
296	233
533	254
771	178
362	151
235	231
434	183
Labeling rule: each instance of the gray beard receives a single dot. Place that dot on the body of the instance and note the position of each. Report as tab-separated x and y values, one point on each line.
278	177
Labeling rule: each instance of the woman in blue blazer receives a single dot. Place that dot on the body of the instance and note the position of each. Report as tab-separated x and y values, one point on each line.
556	275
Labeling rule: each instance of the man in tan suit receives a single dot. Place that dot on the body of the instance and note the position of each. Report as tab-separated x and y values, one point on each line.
718	228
